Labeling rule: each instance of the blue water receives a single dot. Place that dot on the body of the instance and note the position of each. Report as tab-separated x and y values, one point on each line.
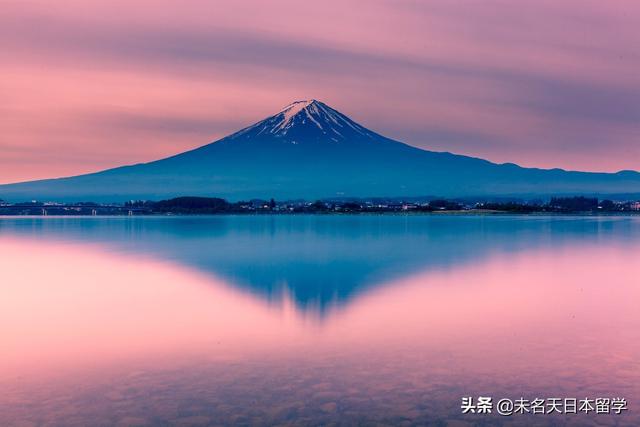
325	260
381	319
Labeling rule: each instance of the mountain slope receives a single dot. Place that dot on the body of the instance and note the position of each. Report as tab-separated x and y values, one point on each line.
309	150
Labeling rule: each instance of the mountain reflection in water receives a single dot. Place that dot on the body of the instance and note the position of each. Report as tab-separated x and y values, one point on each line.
314	320
323	261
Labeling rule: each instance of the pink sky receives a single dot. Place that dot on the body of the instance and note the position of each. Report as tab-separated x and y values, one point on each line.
91	85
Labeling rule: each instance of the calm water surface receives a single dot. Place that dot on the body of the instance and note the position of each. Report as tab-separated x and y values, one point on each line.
315	320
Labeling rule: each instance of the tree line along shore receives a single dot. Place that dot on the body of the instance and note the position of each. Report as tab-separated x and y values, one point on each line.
213	205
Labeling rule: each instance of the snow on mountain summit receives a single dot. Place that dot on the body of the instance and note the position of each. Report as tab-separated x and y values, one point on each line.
307	120
309	108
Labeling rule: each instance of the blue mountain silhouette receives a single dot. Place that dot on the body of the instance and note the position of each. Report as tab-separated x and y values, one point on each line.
308	150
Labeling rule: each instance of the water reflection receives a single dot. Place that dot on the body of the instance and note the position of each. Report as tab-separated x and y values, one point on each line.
169	321
323	261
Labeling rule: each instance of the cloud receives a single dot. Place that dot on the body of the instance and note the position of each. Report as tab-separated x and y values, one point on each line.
539	83
159	124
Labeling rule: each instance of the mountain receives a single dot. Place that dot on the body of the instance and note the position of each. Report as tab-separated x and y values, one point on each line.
308	150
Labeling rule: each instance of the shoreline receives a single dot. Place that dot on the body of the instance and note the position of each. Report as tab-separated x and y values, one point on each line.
408	213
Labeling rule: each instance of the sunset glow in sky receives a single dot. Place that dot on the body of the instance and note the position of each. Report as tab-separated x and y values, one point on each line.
88	85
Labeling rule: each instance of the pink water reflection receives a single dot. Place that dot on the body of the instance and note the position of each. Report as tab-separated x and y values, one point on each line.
66	305
563	321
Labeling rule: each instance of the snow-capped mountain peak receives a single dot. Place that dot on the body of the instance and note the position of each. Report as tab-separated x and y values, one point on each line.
307	120
309	109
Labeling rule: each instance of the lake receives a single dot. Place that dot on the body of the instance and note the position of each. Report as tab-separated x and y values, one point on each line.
316	320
